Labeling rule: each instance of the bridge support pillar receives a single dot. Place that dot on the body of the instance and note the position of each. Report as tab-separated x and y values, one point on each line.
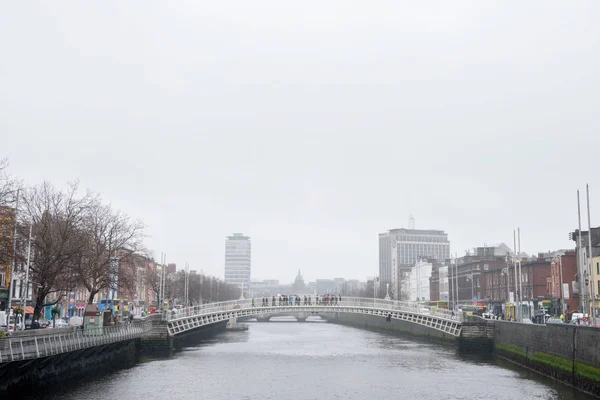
301	319
263	319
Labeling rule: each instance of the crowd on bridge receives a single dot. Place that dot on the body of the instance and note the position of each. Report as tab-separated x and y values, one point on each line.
296	300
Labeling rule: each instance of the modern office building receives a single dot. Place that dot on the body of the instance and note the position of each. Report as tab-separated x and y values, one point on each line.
399	250
238	254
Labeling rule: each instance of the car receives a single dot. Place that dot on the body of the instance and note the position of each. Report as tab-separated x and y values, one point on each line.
44	323
59	323
554	321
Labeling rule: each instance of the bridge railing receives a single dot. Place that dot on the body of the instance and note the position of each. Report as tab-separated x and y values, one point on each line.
380	304
63	340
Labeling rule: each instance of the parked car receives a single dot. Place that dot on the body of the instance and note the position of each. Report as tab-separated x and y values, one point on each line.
43	323
554	320
59	323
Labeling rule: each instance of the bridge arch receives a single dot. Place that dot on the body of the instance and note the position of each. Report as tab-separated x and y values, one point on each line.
183	320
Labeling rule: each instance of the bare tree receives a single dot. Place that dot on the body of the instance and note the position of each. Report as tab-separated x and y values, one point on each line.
111	240
8	185
57	218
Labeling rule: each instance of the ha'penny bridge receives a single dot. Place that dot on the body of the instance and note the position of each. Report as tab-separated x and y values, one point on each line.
183	320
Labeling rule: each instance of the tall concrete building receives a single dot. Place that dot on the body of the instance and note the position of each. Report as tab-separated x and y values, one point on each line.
238	254
399	250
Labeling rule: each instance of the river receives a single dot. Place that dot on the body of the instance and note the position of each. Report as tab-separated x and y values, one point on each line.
318	360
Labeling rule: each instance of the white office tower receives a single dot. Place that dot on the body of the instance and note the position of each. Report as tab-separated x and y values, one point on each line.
238	254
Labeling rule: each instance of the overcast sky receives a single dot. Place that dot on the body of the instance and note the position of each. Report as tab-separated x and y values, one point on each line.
310	126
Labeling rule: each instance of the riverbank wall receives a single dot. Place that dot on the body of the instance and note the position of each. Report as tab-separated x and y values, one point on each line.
21	378
568	353
378	323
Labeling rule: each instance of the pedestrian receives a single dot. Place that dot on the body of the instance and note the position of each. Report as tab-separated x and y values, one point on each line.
253	302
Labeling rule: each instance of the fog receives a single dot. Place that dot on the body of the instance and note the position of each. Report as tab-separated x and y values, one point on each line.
309	126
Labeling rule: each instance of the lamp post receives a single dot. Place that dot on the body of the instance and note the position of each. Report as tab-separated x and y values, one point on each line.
387	291
470	278
504	272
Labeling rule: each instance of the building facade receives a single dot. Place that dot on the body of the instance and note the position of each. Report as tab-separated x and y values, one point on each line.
7	223
238	266
420	275
399	250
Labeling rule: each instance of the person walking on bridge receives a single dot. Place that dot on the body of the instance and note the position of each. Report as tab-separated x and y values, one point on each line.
253	302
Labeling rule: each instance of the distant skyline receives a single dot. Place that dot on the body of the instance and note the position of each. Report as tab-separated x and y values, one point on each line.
311	127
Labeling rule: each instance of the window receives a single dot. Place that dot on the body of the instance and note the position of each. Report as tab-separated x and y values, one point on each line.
597	267
598	282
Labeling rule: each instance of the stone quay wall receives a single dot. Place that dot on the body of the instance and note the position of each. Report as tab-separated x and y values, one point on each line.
568	353
378	323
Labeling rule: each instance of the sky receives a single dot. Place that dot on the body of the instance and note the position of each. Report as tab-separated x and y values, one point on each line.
310	126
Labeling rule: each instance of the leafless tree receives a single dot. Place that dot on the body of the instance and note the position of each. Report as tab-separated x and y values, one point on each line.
111	240
8	185
57	217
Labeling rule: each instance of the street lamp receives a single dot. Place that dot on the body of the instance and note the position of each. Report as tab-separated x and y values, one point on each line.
470	278
387	291
504	272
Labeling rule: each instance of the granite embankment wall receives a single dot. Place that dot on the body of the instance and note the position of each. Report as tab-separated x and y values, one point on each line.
568	353
19	378
379	323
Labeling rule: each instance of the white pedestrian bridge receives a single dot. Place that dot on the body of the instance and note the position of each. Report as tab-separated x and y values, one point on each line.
186	319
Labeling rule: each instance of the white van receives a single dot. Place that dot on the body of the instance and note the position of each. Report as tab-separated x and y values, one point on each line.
575	317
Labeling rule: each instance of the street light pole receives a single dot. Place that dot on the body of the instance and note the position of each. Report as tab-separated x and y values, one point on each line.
562	291
520	277
456	278
590	258
472	293
24	295
582	292
14	260
516	294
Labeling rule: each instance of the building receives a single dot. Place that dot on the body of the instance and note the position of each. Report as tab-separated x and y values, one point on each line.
324	286
595	280
469	270
238	268
7	218
172	268
299	287
420	275
590	295
564	262
438	283
399	250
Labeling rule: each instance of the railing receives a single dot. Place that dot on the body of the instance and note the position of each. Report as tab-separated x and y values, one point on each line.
379	304
63	340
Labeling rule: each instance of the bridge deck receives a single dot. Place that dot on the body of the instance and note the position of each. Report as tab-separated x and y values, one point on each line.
182	320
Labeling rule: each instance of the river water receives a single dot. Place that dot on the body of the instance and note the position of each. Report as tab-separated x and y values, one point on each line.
319	360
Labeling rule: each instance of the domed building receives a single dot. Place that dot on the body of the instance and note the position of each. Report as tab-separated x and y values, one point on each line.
299	287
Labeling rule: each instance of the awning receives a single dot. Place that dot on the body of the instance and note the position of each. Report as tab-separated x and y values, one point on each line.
28	309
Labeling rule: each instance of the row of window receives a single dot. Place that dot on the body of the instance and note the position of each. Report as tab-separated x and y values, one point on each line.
426	239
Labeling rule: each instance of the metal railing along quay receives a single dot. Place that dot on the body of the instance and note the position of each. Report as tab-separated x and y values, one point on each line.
63	340
333	305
